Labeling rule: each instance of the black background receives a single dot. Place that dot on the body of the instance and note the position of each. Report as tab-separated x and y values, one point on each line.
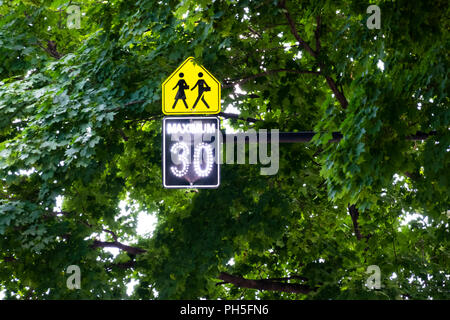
171	180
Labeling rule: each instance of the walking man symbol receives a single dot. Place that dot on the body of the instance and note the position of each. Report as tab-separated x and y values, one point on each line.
202	88
182	85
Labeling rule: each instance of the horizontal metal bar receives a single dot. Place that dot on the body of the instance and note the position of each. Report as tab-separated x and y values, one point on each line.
306	136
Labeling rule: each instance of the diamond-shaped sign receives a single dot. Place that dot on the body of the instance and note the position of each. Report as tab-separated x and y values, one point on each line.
190	89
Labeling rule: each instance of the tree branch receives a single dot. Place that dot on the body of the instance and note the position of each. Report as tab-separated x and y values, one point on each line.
111	233
116	244
150	118
286	278
354	213
264	284
123	265
419	135
232	83
51	49
254	31
123	135
134	102
338	94
291	22
317	33
9	259
331	83
236	116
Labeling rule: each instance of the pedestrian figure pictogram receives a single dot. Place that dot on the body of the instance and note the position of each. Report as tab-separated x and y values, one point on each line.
182	85
202	88
191	89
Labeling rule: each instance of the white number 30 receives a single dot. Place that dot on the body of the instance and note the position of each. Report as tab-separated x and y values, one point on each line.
203	154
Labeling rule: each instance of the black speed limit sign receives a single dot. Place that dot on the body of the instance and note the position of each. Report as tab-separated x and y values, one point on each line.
191	152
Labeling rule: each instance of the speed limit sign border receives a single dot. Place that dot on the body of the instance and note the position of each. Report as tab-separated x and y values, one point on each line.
199	125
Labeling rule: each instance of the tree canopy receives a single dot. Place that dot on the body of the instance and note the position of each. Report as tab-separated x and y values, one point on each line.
80	118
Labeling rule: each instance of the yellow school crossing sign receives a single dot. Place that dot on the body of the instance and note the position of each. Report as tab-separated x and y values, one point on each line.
191	89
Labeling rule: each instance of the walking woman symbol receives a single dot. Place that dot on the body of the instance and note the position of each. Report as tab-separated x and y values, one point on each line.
202	88
182	85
